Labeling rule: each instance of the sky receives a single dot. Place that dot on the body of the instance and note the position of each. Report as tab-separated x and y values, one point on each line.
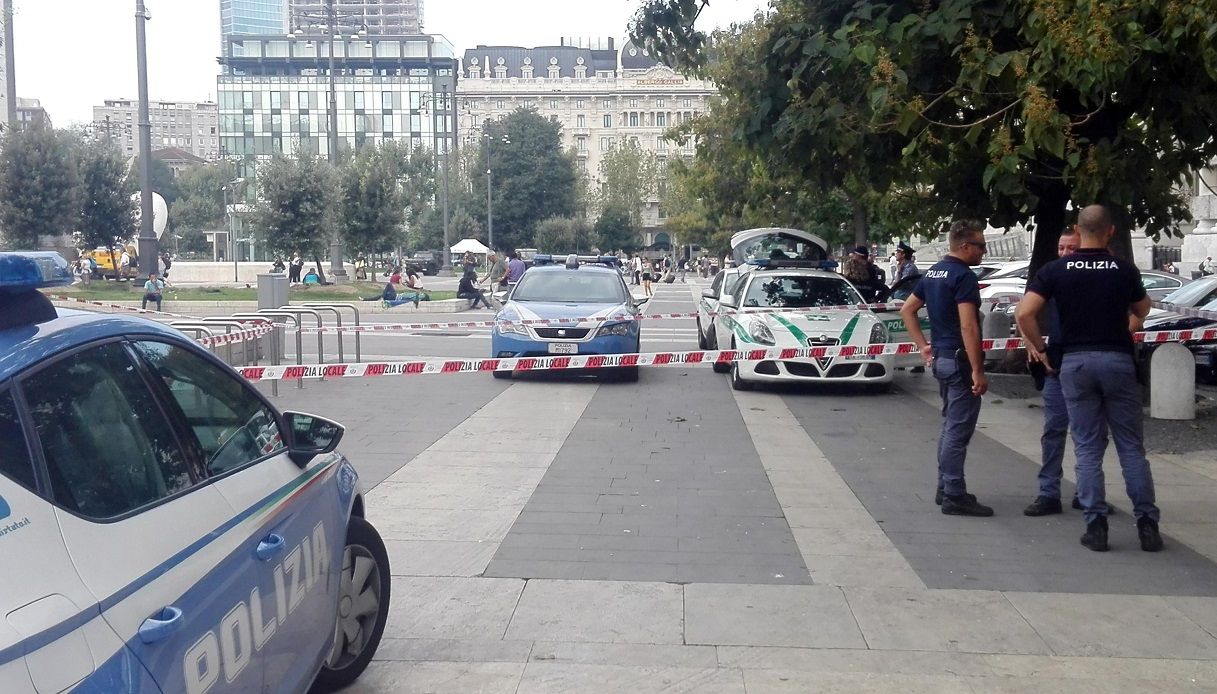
74	54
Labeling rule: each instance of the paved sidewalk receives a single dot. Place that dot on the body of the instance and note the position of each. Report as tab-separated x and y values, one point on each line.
848	474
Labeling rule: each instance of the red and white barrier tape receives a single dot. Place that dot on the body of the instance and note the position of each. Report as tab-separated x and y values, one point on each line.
1183	311
1200	334
234	338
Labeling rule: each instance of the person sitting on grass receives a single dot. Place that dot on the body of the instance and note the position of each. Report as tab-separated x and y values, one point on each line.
152	291
468	289
312	278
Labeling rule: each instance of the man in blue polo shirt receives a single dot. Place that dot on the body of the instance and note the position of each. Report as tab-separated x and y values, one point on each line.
1100	301
951	295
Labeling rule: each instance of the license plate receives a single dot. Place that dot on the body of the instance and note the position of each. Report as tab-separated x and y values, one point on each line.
563	348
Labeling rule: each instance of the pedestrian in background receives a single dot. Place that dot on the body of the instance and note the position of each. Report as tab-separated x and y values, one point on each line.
152	292
951	295
647	272
1206	266
905	267
468	289
1056	415
294	268
637	264
1099	298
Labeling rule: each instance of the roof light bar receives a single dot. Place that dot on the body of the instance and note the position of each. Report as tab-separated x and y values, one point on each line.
24	271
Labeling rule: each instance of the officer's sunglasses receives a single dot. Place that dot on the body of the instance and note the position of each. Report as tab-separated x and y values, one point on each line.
982	245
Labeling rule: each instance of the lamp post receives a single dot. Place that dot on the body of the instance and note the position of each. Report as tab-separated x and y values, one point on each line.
332	18
10	116
148	247
489	190
231	186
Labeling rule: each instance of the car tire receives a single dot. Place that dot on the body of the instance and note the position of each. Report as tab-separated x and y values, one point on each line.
363	544
738	383
702	342
506	375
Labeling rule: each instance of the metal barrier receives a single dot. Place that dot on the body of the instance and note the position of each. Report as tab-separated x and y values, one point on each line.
267	313
334	306
276	338
298	310
199	330
232	325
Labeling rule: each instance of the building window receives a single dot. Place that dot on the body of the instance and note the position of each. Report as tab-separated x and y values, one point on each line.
553	72
688	103
633	120
580	72
607	103
580	121
500	72
578	103
662	145
608	120
581	144
659	103
553	104
607	143
499	104
526	72
661	120
633	103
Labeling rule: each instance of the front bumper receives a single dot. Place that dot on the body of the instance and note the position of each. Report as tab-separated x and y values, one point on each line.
505	346
863	369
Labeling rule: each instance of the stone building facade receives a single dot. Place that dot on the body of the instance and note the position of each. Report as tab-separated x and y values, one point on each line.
189	125
601	96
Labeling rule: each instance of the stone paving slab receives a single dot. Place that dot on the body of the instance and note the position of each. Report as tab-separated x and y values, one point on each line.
1006	552
561	678
451	608
439	678
599	611
439	557
742	615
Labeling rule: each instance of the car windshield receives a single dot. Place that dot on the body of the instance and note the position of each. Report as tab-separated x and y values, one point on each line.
571	286
1192	294
799	292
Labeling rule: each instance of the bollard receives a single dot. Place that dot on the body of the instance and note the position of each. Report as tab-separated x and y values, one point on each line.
995	326
1172	382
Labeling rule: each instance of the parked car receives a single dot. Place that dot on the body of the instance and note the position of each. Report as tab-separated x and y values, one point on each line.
1205	352
426	262
722	286
163	526
1160	284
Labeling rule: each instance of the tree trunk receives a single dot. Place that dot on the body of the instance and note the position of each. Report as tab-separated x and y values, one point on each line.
320	272
1121	242
1049	223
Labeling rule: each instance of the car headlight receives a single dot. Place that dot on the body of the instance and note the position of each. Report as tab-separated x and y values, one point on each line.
511	328
878	333
619	329
761	332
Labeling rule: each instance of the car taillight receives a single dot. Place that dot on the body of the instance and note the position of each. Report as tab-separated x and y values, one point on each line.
982	285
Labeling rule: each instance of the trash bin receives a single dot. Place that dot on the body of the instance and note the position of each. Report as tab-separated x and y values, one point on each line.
272	290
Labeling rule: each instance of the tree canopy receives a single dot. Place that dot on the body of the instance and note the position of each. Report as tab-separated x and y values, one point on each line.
295	209
1004	110
39	185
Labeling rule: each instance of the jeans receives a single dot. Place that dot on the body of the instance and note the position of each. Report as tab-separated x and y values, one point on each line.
404	298
474	298
1102	393
960	410
1052	441
151	297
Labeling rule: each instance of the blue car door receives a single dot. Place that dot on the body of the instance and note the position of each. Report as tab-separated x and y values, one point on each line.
292	518
152	540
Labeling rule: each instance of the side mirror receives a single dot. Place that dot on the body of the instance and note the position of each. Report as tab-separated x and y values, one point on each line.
727	302
643	300
709	294
309	436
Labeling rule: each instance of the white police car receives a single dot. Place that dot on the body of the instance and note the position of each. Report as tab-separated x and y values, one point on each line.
588	292
162	526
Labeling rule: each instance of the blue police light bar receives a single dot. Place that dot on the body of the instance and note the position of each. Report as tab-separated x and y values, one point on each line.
777	263
29	270
548	259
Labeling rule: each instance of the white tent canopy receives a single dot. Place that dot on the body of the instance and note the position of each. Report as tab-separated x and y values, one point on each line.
470	245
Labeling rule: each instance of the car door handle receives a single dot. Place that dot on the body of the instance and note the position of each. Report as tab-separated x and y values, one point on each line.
161	625
268	548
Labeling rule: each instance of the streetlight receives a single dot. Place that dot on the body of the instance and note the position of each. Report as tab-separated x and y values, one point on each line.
231	186
332	25
429	100
148	248
489	188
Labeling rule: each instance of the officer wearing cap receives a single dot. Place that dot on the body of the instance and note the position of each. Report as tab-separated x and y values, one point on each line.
951	295
1100	299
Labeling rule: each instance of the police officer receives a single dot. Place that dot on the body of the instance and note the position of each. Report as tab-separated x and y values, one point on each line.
1056	416
1100	299
951	295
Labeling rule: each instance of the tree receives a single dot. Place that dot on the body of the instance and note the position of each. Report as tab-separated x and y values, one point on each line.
615	230
295	209
533	177
39	179
626	178
370	211
163	181
1006	111
107	211
560	235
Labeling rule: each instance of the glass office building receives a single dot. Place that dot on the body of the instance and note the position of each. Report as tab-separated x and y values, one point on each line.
252	17
275	95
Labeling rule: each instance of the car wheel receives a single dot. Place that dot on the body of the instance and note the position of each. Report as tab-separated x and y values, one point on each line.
502	374
363	605
702	342
738	383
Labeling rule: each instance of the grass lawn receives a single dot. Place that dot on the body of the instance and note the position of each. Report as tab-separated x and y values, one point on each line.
126	291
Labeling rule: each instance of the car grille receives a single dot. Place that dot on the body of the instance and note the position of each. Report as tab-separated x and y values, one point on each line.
801	369
843	370
822	342
562	333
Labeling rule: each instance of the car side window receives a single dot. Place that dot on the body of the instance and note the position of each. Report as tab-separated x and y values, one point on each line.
232	425
15	461
718	282
108	448
1156	282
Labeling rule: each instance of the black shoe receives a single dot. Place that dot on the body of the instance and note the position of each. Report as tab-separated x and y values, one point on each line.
965	505
1077	505
938	497
1096	535
1043	506
1147	530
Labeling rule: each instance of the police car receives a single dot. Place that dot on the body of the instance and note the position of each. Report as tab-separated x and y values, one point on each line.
588	291
788	269
162	526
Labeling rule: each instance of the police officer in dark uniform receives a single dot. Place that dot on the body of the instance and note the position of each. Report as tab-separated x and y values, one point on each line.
951	295
1100	301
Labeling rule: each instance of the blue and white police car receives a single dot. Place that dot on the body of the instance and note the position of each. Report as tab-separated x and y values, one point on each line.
588	291
163	527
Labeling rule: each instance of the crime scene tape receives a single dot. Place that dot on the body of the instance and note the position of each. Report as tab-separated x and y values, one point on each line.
234	338
1197	335
1183	311
440	365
